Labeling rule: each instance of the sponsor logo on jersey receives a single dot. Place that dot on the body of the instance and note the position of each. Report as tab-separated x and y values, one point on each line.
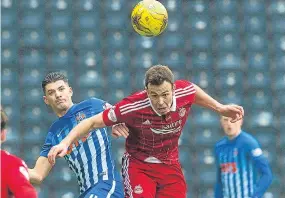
138	189
229	167
182	112
235	152
173	127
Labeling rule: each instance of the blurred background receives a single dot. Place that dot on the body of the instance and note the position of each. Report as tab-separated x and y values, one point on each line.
233	49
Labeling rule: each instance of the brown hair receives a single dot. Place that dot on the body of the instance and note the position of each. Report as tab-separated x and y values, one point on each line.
53	77
4	119
157	74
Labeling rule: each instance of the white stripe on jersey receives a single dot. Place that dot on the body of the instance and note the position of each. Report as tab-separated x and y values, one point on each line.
231	175
185	88
125	173
91	196
237	182
93	152
189	93
244	176
186	91
250	167
77	165
85	163
103	154
140	107
131	104
134	106
112	189
227	193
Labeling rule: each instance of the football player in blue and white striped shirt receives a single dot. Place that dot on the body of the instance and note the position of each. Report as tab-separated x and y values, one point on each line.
90	157
242	169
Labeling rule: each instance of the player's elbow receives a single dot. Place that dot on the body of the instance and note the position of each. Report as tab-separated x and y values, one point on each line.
35	178
97	121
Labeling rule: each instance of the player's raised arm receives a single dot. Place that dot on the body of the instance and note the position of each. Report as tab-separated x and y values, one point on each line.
81	130
40	171
235	112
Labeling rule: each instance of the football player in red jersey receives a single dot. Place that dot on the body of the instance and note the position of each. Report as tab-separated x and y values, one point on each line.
155	118
14	171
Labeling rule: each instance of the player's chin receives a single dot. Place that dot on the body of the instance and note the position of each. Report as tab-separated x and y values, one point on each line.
163	112
62	106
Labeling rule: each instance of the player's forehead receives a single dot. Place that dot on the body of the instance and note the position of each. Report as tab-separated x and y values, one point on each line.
160	89
55	85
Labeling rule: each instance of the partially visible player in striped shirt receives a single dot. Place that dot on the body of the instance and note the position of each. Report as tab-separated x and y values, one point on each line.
242	169
155	118
90	157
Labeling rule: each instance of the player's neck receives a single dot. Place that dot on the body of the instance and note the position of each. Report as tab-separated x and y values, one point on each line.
62	113
231	137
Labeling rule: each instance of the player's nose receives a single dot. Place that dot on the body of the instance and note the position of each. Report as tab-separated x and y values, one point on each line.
160	101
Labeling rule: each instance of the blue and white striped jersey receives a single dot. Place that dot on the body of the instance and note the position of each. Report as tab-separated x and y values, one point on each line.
238	163
90	158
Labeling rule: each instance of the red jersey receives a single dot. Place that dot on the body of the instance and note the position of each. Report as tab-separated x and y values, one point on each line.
15	177
152	137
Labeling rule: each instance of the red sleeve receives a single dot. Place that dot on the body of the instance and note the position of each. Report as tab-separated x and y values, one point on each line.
123	110
18	181
113	115
186	90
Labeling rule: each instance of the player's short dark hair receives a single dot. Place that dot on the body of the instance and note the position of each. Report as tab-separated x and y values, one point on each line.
53	77
157	74
4	119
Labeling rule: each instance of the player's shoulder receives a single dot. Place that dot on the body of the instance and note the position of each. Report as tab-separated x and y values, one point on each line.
135	102
11	159
221	142
181	83
137	97
248	139
88	103
184	89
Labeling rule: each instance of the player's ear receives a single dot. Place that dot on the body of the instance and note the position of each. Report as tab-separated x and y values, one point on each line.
71	91
173	87
45	100
3	134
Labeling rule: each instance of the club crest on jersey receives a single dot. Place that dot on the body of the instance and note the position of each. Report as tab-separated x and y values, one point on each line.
80	116
182	112
138	189
235	152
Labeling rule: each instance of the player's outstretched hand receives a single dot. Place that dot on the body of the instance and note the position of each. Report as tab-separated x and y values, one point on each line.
235	112
58	150
120	130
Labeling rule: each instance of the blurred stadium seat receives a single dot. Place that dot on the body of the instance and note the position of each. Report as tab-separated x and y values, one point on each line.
254	7
33	58
226	7
234	50
9	37
10	57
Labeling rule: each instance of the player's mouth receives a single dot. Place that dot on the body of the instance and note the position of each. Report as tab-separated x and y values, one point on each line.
59	101
162	110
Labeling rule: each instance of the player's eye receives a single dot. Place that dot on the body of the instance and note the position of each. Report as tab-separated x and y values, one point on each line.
61	88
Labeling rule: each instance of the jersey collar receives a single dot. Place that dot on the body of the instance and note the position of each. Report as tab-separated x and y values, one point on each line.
172	108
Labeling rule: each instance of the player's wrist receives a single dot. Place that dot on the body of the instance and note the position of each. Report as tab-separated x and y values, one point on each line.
218	107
